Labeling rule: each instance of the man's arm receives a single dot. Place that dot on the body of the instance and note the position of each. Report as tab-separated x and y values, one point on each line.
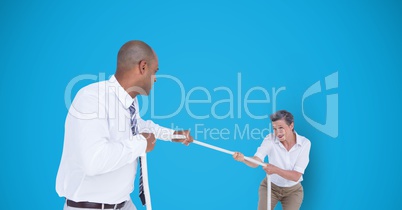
189	139
91	139
162	132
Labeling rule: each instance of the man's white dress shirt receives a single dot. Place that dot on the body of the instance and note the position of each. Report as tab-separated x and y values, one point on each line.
295	159
100	152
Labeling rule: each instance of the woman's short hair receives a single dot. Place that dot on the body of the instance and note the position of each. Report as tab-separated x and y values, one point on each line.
282	115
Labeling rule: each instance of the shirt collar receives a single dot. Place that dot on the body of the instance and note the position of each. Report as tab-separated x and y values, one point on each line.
298	140
121	94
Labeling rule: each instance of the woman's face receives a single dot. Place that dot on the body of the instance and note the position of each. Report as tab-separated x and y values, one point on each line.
282	130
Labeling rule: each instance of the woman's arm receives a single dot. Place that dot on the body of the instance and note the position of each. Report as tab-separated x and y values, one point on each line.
240	157
287	174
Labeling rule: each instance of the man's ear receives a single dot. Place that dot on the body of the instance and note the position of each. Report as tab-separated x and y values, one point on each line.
292	126
143	66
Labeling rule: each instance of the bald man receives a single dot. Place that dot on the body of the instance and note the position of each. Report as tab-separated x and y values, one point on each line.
105	135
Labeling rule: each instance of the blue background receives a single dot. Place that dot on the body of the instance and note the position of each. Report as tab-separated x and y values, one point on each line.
273	44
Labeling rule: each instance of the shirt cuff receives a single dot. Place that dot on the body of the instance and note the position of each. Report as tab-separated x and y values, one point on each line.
299	169
164	134
137	144
261	156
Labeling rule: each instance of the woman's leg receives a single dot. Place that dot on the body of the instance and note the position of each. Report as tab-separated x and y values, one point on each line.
293	198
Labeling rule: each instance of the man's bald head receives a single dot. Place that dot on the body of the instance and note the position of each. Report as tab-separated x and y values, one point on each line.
131	53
